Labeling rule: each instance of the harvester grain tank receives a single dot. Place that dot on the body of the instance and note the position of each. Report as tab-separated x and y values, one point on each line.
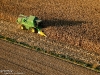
30	23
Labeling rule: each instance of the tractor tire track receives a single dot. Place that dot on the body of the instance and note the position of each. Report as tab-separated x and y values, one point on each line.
8	65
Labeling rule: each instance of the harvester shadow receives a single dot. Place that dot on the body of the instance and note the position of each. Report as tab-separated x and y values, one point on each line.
47	23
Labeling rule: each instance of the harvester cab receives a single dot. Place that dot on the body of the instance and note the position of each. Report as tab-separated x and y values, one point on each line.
30	23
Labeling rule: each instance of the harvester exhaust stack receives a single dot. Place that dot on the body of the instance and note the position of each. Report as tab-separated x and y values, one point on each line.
38	21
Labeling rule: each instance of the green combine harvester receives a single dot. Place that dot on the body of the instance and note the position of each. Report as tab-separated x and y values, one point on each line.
30	23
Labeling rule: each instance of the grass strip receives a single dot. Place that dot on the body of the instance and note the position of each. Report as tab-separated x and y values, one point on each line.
11	40
2	37
25	44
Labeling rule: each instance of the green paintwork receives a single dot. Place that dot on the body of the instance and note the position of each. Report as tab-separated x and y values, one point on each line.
29	22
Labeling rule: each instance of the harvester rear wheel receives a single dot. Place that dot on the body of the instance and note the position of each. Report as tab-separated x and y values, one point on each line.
32	30
22	27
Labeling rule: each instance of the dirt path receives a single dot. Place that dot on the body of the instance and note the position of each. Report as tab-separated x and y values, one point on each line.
22	60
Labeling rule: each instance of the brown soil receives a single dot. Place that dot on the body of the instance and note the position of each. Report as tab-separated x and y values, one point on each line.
29	62
74	22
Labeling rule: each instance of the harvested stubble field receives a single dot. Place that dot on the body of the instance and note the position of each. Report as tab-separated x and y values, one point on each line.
65	22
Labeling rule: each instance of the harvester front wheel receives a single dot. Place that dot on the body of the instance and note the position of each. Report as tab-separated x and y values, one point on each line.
32	30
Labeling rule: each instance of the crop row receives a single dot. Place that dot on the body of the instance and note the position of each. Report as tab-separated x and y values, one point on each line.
54	54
